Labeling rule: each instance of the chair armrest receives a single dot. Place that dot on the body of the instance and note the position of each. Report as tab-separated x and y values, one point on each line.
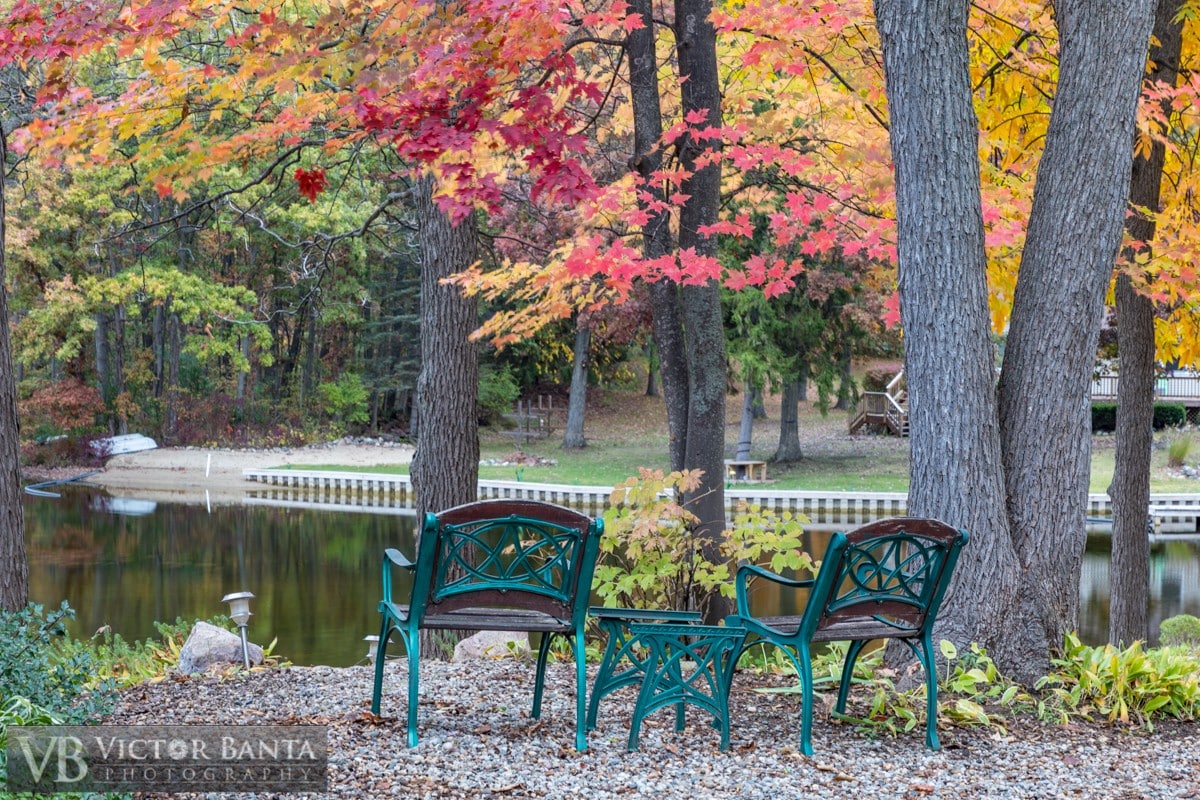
746	571
398	558
395	557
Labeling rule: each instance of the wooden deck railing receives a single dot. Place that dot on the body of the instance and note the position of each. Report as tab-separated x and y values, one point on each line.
1181	388
883	409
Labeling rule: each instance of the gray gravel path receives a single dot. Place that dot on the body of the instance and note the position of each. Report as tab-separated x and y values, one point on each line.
477	741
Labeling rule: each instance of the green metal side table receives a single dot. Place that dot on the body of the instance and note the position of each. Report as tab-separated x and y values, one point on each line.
623	661
676	660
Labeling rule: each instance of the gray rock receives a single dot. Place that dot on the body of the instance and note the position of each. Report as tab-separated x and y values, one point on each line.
207	645
491	644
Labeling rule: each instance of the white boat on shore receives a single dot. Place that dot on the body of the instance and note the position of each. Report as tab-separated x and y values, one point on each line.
119	445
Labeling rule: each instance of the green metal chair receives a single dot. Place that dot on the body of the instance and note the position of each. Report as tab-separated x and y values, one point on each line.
499	565
884	580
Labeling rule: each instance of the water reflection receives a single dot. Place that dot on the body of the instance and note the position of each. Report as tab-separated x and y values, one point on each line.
315	572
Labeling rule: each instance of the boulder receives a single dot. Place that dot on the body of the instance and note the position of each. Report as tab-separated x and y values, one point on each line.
207	645
492	644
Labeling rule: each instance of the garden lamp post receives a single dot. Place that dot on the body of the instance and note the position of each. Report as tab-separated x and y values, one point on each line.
373	645
239	612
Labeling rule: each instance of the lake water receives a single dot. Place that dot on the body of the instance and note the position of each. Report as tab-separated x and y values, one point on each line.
315	573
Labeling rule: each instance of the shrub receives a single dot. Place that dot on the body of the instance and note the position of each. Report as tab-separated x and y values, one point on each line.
498	391
652	556
1166	415
127	663
76	452
33	666
205	419
1181	629
1169	415
1104	417
345	400
68	406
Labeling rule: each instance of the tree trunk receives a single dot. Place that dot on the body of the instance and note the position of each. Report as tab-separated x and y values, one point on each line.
14	567
651	371
789	424
445	467
308	379
705	332
954	464
174	351
846	380
121	426
656	238
241	376
158	346
1129	571
746	427
577	403
1075	229
104	381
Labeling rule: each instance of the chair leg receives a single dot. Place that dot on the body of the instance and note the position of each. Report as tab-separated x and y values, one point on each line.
804	667
601	687
925	654
385	630
543	655
852	653
580	691
413	643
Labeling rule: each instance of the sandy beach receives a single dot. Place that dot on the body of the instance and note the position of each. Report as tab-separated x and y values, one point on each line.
214	475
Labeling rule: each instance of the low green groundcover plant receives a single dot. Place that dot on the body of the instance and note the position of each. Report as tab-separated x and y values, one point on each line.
1132	685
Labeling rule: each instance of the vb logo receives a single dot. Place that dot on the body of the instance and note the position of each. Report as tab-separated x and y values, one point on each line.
52	759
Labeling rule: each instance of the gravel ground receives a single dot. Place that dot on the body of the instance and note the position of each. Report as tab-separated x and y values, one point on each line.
477	741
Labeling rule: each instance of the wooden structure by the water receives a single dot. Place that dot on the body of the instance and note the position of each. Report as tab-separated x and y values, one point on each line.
392	493
371	490
886	410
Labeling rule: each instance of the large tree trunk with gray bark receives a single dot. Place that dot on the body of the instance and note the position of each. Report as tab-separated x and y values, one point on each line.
667	324
703	323
1010	466
954	467
577	402
1075	230
445	466
1129	571
789	424
14	567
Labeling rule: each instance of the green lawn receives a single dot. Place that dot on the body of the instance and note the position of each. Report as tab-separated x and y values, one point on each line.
625	431
881	465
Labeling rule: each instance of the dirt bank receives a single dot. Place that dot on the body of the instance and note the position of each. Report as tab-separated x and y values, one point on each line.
201	475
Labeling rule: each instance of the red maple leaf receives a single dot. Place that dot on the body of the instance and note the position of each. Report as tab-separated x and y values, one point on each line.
311	182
